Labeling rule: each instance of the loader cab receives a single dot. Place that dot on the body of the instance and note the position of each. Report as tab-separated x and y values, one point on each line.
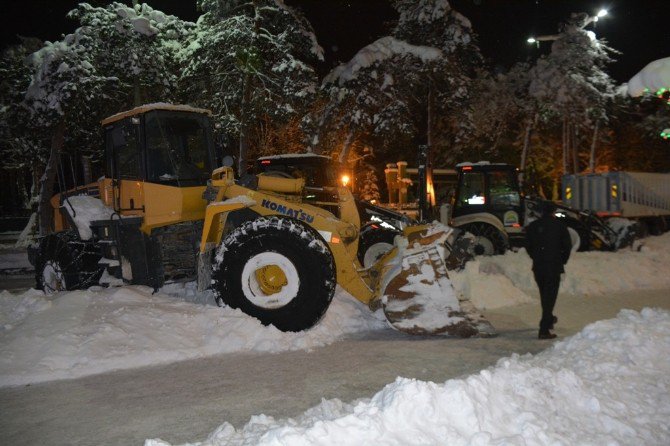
170	145
488	188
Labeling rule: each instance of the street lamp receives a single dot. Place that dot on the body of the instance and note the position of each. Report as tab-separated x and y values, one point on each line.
538	39
589	19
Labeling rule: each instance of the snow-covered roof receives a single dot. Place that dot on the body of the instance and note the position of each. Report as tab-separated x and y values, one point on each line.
654	76
155	106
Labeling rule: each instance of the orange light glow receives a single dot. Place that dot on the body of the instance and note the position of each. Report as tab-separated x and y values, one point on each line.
344	179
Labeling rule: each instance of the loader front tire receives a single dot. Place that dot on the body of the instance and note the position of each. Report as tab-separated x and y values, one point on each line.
277	270
579	235
373	243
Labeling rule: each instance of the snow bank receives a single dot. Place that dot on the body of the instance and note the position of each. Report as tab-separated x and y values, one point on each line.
493	282
14	309
606	385
13	261
86	332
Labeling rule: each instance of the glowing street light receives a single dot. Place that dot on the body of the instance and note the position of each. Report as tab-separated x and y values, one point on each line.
536	40
588	19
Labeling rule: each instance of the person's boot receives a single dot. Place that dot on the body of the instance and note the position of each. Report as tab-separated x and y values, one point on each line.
546	335
553	321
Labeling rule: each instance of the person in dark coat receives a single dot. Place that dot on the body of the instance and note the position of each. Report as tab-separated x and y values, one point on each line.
549	245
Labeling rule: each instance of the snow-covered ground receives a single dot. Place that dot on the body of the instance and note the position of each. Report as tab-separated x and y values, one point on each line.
79	333
12	260
608	384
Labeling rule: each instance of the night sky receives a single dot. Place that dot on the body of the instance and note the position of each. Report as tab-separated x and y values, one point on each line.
636	28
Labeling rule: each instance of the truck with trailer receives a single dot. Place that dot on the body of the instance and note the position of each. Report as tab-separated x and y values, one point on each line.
640	196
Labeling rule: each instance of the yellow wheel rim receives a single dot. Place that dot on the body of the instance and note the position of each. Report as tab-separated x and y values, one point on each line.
271	279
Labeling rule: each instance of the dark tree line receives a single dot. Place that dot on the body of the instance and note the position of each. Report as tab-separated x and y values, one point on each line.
252	63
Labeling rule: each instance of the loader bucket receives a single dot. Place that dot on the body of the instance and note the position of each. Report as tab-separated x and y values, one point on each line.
415	291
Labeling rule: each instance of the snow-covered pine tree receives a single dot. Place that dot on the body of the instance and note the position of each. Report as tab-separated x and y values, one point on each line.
249	60
139	45
404	88
20	140
500	107
368	180
571	85
64	86
447	89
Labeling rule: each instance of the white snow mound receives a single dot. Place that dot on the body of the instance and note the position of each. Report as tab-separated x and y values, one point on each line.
606	385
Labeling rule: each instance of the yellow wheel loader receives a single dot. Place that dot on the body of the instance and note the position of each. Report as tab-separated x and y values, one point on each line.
269	245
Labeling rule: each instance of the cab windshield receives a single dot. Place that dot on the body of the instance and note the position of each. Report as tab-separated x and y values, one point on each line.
177	148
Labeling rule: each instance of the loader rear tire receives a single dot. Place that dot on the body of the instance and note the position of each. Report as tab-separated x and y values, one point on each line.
64	262
489	240
306	263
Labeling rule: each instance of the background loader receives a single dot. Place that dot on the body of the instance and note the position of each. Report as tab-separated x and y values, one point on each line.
273	245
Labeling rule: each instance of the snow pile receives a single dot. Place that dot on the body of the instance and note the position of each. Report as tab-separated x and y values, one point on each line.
86	332
83	210
13	261
27	236
13	309
498	281
606	385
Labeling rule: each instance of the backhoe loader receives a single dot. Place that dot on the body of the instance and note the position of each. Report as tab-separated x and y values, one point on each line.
271	246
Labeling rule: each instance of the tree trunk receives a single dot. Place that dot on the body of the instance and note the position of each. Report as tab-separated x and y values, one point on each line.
526	147
565	144
592	157
246	99
244	126
574	133
44	210
137	92
346	147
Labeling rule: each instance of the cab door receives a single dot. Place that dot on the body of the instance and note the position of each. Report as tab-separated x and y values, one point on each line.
125	166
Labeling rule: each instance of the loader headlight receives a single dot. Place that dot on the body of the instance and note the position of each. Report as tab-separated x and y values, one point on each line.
345	179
